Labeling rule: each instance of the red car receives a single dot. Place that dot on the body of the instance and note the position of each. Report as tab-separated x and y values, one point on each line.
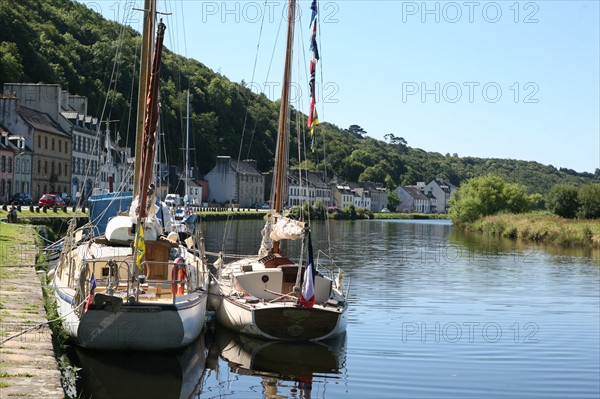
51	200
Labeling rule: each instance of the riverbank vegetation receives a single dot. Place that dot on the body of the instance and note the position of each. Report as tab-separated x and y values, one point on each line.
568	215
541	227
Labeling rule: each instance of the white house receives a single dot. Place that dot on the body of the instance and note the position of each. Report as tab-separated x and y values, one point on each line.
412	200
441	190
237	181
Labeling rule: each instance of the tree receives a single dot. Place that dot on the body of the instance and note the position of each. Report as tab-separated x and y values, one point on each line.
589	201
392	200
562	200
357	131
487	195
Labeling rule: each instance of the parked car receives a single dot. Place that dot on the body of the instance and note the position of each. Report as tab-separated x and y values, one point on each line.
21	199
51	200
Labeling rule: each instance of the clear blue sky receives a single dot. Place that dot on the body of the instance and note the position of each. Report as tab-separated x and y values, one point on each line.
501	79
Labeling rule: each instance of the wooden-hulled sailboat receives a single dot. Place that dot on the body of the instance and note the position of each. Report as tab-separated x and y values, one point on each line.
133	288
269	295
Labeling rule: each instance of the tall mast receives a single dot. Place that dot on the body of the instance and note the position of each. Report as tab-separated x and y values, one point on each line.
150	122
149	13
187	146
284	113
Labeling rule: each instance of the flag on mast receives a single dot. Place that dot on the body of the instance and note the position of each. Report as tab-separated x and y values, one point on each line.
313	119
141	247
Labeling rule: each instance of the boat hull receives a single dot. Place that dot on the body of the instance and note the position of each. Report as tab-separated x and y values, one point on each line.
282	321
140	326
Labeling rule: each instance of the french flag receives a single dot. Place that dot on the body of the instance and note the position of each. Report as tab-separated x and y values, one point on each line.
307	297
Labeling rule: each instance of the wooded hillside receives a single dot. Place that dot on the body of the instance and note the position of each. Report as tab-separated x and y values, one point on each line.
61	41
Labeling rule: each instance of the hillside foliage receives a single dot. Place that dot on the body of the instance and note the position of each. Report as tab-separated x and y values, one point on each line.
63	42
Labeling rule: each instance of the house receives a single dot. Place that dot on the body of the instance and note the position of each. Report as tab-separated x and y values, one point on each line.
412	199
7	156
194	193
441	190
362	196
116	169
306	186
69	112
16	165
343	196
236	181
49	143
378	195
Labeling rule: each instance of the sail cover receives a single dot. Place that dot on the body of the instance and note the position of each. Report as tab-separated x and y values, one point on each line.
287	229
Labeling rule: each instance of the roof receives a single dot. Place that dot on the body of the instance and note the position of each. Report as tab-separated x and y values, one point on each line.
446	186
415	192
41	121
244	167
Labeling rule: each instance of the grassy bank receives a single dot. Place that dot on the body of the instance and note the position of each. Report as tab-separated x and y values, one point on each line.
541	227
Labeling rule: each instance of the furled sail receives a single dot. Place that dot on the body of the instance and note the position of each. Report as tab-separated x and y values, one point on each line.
287	229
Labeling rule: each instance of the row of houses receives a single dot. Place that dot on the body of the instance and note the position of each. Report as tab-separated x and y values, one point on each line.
49	143
432	197
240	182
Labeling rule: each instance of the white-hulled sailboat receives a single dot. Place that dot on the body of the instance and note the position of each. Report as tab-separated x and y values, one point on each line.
134	288
269	295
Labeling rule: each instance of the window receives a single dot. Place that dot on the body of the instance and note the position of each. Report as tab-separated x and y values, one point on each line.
2	187
60	145
39	141
52	144
39	166
45	169
59	169
67	147
46	143
3	164
17	166
10	161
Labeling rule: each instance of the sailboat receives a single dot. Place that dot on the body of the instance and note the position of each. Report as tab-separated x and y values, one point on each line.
269	295
134	287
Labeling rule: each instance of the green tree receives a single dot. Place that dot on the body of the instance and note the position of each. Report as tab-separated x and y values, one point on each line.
11	65
487	195
562	200
393	200
589	201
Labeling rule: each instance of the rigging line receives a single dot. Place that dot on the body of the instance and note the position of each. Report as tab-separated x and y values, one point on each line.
250	98
262	22
322	113
274	49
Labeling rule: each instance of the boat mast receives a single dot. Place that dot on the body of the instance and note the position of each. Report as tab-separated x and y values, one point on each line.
187	147
283	126
149	13
150	123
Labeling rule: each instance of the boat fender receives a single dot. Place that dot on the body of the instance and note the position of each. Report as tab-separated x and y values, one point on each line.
178	273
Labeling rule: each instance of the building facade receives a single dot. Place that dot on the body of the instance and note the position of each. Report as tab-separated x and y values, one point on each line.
236	181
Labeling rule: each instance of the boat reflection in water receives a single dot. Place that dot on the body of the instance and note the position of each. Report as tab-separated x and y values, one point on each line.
304	363
166	374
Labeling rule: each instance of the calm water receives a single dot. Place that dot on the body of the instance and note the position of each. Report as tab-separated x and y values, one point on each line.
433	313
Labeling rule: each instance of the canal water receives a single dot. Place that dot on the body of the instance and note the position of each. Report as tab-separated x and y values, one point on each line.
433	313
